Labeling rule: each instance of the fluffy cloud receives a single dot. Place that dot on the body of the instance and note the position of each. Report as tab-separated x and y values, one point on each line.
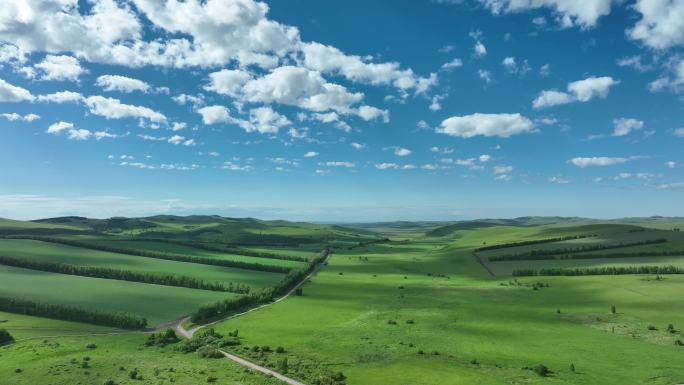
455	63
61	97
228	82
503	169
112	108
679	132
500	125
14	94
624	126
597	161
329	59
60	68
338	164
73	133
177	139
578	91
14	117
584	13
214	114
311	154
399	151
661	25
121	84
264	120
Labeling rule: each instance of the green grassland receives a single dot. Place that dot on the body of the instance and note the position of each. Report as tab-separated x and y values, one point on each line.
56	253
417	310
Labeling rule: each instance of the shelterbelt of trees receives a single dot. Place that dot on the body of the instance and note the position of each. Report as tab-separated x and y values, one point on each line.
609	270
68	313
125	275
234	305
564	252
158	255
229	250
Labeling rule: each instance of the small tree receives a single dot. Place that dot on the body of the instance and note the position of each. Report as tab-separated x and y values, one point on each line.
5	337
613	309
542	370
572	368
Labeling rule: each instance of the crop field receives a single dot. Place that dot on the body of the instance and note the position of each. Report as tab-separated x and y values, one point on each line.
29	327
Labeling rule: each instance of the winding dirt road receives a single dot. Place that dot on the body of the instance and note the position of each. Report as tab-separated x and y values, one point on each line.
261	369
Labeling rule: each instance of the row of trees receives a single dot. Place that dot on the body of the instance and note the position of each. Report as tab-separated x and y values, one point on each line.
551	253
265	295
534	242
158	255
69	313
640	254
609	270
125	275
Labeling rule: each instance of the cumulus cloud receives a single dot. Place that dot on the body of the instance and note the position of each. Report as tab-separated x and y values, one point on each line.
264	120
214	114
598	161
661	24
112	108
577	91
499	125
454	63
582	13
358	146
17	117
400	151
61	97
60	67
624	126
72	132
311	154
121	84
14	94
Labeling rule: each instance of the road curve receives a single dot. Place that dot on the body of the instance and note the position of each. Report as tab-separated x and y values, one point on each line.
261	369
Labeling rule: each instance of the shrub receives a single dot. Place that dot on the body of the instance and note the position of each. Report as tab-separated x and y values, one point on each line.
391	322
91	346
671	329
280	349
209	352
5	337
410	321
421	352
265	348
17	370
613	309
651	327
679	343
109	382
572	368
299	292
541	370
211	379
133	374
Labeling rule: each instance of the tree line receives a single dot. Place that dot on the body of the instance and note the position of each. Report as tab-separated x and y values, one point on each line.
608	270
69	313
534	242
265	295
125	275
533	255
158	255
628	255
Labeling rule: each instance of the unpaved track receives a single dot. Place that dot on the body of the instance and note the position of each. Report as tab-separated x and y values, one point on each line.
483	264
261	369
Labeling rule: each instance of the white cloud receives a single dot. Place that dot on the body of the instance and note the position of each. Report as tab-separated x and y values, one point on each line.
500	125
386	166
583	13
177	139
112	108
624	126
338	164
215	114
228	82
121	84
264	120
358	146
72	132
183	99
671	164
597	161
14	94
661	25
679	132
485	75
479	49
503	169
633	62
578	91
176	126
14	117
61	97
399	151
329	59
485	158
512	67
311	154
371	113
60	68
454	63
558	180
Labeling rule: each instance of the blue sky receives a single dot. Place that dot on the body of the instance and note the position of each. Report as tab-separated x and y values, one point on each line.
341	111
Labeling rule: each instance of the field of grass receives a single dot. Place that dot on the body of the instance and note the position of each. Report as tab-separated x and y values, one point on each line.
419	309
154	302
56	253
483	330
